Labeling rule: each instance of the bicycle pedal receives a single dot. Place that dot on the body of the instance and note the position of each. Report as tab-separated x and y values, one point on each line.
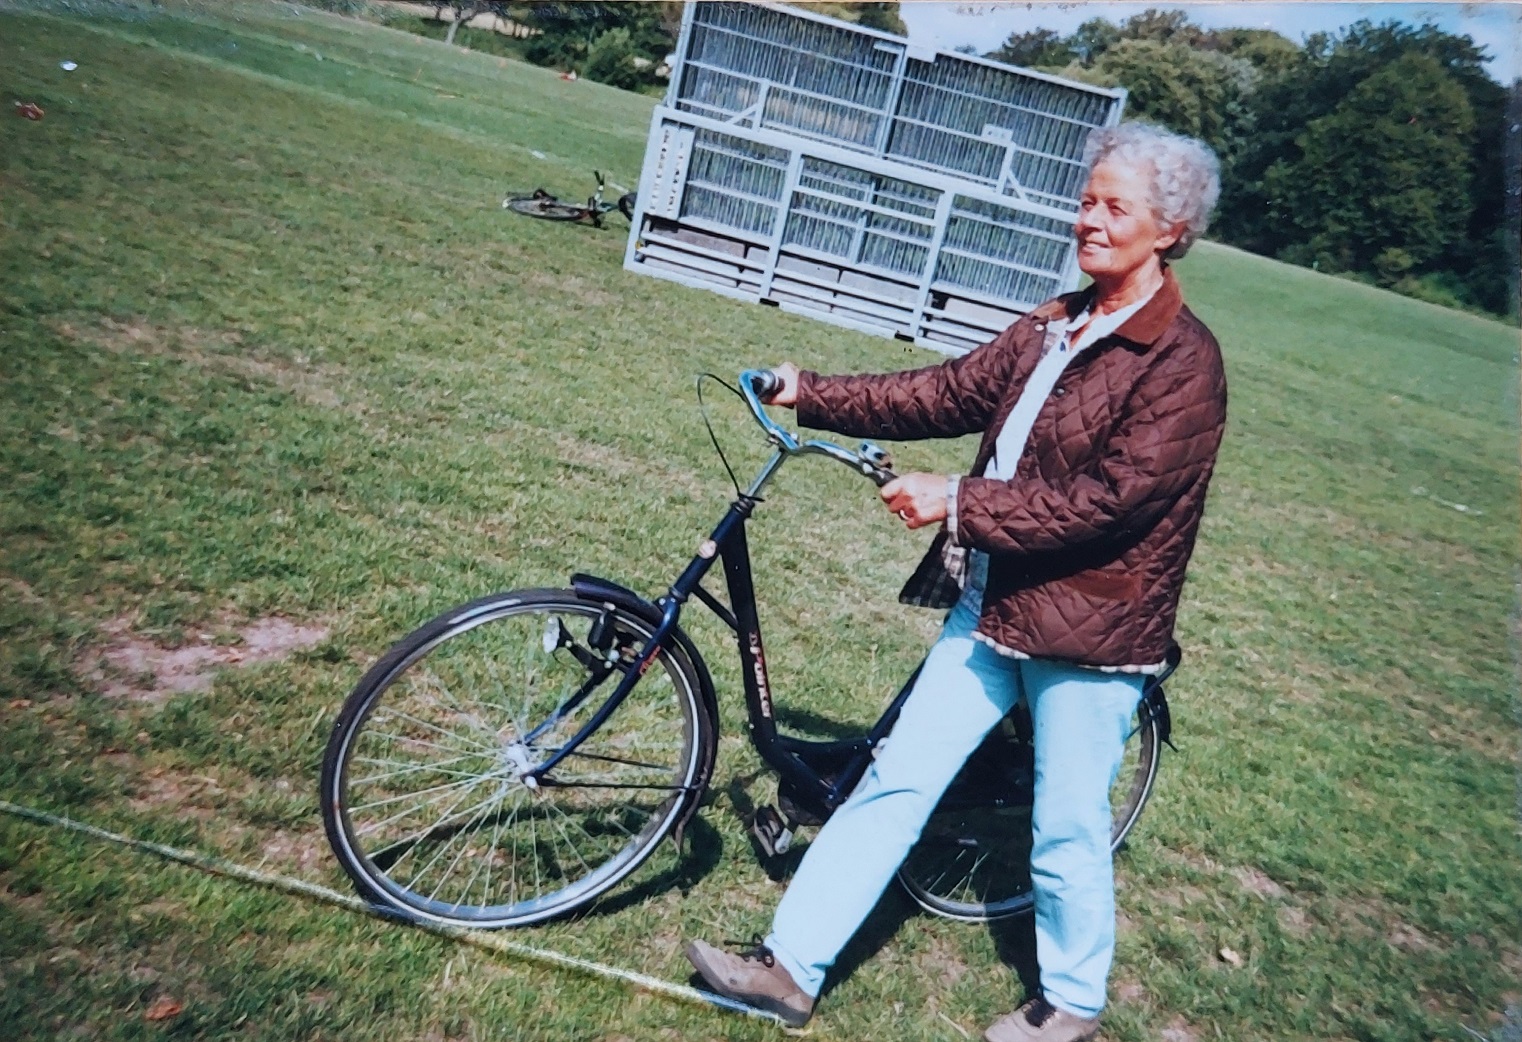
771	831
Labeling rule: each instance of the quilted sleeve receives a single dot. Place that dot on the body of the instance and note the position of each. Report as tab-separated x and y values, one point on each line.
941	401
1166	442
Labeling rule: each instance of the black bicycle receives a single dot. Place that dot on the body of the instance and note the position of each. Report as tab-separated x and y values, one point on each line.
522	754
540	203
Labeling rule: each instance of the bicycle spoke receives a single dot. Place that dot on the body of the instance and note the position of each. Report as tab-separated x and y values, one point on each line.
494	800
616	759
446	787
444	823
559	828
415	768
408	740
612	821
484	863
469	717
435	727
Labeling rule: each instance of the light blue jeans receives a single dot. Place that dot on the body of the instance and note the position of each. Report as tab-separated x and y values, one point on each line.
1082	717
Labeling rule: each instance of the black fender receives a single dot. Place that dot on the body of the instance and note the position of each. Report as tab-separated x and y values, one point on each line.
1154	704
598	588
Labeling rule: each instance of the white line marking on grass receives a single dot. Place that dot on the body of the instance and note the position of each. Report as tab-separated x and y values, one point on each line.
478	938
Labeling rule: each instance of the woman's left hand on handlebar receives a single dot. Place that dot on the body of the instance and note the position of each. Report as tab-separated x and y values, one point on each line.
917	499
787	394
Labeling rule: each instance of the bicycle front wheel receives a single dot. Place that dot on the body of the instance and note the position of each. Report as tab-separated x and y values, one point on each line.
547	208
427	795
972	861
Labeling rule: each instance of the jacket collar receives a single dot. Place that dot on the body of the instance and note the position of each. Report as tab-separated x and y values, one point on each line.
1144	327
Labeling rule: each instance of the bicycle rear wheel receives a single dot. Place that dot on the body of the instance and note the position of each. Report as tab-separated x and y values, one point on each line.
424	795
547	208
972	861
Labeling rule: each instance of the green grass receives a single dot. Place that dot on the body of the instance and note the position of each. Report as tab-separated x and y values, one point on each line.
269	346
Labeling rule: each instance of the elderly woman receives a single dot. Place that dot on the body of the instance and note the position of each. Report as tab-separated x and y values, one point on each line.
1061	557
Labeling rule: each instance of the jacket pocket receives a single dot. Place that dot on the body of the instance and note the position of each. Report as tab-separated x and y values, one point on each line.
1109	585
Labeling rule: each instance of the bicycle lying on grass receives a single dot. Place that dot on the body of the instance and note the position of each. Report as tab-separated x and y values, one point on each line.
540	203
522	754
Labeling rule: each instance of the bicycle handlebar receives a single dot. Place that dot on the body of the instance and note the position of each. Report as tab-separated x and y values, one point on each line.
869	460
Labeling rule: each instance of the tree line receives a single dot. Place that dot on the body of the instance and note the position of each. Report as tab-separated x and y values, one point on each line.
1379	152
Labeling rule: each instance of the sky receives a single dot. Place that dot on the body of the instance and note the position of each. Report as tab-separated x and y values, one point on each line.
1495	25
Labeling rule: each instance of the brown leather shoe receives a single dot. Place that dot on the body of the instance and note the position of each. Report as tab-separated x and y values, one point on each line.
754	978
1040	1021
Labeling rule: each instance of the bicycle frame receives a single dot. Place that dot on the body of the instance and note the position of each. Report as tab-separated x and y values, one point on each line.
790	756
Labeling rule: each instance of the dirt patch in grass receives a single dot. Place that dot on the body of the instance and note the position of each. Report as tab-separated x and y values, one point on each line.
1408	938
1368	919
1293	921
1129	992
293	853
1258	882
1179	1030
19	590
221	351
199	797
129	665
940	962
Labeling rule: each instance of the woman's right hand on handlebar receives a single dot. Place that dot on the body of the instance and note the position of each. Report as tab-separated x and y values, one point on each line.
787	394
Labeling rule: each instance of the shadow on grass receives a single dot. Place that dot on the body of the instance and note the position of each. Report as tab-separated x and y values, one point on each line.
804	721
778	867
702	849
1014	939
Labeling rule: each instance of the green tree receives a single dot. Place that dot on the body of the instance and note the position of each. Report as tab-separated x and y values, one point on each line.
1039	48
1161	26
461	12
610	60
1196	92
566	32
1093	38
1267	51
883	16
1381	184
1321	78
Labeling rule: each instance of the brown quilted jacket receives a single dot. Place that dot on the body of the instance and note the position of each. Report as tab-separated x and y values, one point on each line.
1089	541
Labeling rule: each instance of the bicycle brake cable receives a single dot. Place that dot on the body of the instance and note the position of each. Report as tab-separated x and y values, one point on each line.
703	409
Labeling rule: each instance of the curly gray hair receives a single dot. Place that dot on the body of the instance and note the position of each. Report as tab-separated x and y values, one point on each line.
1185	174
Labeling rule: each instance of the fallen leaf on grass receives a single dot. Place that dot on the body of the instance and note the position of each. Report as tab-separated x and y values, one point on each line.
1230	956
163	1008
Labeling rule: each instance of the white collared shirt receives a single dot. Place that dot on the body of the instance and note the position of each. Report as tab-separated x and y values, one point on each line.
1056	354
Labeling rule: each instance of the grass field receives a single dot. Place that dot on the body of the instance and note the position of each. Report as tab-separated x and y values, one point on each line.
270	350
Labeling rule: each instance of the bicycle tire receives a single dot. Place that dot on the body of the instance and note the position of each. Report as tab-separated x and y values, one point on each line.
422	793
972	862
546	208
